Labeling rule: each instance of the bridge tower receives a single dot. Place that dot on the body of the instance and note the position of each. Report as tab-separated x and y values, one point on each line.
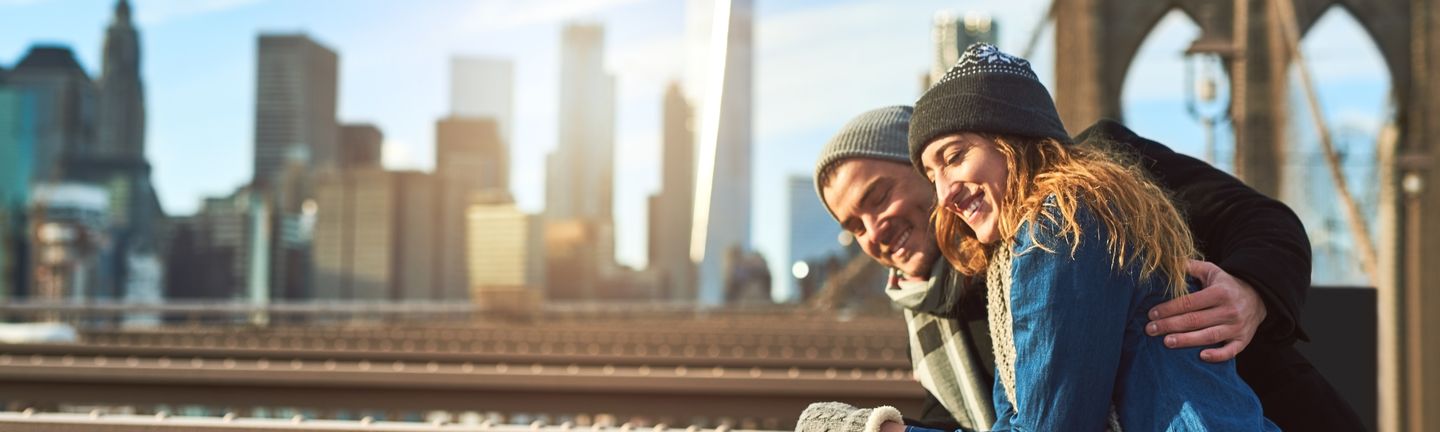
1096	40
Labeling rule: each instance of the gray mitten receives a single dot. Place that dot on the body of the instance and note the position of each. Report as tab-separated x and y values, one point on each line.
841	417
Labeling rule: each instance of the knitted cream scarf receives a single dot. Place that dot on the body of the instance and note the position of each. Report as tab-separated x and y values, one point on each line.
1002	330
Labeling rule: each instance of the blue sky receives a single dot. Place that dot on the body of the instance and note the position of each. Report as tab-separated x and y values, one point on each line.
817	64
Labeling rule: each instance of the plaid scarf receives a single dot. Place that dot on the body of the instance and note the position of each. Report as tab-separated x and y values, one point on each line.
949	348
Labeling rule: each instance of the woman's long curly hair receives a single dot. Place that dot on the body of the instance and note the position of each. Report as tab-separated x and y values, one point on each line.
1145	228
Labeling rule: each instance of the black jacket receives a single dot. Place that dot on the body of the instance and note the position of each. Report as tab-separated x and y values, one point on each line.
1253	237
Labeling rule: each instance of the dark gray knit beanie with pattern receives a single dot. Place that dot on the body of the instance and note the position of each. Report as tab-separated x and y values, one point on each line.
986	91
875	134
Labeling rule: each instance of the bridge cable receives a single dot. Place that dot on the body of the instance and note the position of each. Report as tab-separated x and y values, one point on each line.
1285	13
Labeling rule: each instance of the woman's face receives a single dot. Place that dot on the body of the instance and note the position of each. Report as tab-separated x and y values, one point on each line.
969	174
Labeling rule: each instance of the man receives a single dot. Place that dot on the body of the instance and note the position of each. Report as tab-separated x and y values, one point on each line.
1253	286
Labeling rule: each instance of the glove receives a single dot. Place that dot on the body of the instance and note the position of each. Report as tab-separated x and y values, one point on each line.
842	417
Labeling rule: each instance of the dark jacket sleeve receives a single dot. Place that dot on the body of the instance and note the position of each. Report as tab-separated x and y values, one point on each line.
933	415
1251	236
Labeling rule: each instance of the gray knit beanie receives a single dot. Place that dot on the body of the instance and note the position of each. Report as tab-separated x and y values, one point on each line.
986	91
876	134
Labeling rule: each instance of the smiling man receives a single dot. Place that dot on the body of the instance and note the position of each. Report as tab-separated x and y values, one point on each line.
1254	282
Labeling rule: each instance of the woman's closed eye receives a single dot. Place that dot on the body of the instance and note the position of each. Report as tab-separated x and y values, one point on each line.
955	153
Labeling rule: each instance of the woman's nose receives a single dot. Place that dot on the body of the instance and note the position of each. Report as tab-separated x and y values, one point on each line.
942	193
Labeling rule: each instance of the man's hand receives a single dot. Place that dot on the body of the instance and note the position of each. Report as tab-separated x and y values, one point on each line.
1225	309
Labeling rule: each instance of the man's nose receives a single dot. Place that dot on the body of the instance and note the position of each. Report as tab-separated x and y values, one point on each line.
872	232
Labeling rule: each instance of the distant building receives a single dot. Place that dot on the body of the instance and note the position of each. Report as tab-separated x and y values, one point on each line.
361	146
79	131
506	249
117	160
121	128
1333	247
582	179
814	235
579	189
747	278
17	144
69	241
672	209
570	264
373	234
470	159
482	87
289	210
295	96
472	151
952	34
296	139
17	160
64	102
212	254
722	182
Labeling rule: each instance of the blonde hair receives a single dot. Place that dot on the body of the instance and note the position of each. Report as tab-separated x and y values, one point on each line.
1145	228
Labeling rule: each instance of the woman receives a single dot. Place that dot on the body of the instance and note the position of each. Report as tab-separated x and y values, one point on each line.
1076	245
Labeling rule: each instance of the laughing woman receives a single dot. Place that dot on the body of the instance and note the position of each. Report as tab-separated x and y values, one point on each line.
1076	244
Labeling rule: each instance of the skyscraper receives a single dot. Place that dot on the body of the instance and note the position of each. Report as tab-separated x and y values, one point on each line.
483	87
17	159
952	34
506	252
117	160
224	250
722	182
473	152
61	126
295	95
673	207
583	171
122	94
71	247
813	233
580	183
17	145
360	146
470	160
64	106
372	235
296	137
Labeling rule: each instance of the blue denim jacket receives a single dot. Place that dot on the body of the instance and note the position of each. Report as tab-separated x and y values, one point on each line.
1081	347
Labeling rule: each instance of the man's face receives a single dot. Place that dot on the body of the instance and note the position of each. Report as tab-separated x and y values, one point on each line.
886	206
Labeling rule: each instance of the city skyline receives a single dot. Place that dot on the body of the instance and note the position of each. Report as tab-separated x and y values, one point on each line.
784	144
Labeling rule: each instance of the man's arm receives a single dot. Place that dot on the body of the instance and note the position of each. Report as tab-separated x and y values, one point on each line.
1252	237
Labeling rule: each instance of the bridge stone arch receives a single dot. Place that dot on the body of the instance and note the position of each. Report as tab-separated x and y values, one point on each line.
1096	41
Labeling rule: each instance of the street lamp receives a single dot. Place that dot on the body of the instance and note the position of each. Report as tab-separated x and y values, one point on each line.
1205	62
